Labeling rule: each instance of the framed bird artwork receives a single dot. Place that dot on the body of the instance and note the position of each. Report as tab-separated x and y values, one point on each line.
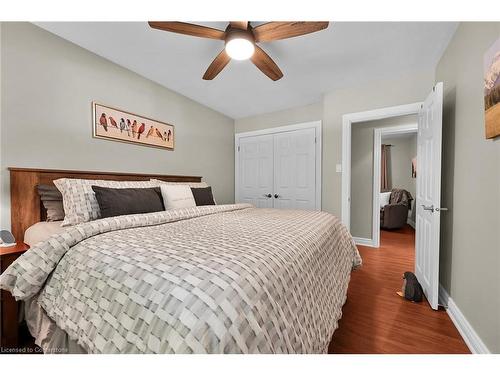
119	125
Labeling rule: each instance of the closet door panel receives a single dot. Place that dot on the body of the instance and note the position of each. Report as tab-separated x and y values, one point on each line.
295	169
256	170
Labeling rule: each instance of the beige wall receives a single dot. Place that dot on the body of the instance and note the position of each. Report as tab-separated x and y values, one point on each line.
47	88
312	112
362	137
470	241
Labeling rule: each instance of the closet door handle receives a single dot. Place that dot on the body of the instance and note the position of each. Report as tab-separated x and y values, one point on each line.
268	195
276	196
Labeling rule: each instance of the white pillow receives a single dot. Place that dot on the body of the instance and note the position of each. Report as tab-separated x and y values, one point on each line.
384	199
177	196
195	185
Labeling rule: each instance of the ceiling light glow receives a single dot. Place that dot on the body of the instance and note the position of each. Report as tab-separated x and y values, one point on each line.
240	49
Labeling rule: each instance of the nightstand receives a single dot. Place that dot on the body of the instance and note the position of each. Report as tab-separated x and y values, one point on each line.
9	312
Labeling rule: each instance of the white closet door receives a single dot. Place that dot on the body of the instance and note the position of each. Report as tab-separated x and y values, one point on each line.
295	169
256	170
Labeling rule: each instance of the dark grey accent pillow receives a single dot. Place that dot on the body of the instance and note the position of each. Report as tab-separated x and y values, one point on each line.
203	196
52	201
128	201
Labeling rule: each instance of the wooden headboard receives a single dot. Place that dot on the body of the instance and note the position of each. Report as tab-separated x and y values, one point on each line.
25	205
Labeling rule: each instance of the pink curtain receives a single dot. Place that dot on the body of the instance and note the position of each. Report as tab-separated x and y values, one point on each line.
384	172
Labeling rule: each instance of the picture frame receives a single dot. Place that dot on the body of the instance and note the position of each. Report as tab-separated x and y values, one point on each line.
492	91
119	125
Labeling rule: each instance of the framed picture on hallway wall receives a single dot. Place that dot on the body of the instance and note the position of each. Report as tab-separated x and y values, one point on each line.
119	125
492	90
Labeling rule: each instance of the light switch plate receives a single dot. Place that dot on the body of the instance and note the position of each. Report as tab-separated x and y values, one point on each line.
338	168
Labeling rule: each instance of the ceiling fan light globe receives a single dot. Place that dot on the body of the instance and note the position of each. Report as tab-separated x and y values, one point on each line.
240	48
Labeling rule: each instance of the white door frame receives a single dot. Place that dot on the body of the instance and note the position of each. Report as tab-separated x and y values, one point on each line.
348	120
377	147
304	125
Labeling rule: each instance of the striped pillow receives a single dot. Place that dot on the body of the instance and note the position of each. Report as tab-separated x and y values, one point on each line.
79	201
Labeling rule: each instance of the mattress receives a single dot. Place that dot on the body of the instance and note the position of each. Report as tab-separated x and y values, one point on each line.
41	231
210	279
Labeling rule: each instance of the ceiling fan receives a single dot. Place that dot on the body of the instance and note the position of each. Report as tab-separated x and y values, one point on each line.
240	39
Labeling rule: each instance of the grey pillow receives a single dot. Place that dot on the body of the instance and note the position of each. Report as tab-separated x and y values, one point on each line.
127	201
203	196
52	201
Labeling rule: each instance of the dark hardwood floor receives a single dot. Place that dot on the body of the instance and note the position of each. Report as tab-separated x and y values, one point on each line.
376	320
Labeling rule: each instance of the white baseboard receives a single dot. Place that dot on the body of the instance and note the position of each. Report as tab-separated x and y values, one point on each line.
471	338
411	223
364	241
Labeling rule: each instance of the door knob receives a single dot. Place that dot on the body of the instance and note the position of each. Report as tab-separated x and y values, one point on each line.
276	196
432	209
268	195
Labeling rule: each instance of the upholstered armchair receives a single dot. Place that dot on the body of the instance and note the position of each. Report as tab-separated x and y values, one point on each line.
395	214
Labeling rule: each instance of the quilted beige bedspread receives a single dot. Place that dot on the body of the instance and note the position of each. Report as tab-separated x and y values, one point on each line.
212	279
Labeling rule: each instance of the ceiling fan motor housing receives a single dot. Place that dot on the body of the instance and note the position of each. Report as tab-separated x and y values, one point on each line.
232	33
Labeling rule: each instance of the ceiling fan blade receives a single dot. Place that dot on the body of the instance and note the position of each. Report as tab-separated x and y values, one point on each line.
188	29
266	64
217	65
243	25
283	30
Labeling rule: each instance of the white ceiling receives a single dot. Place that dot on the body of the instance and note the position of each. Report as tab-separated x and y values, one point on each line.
345	54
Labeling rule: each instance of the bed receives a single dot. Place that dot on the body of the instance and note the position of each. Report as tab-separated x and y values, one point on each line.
209	279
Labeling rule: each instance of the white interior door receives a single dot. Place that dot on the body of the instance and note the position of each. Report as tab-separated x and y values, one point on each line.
428	198
256	170
295	169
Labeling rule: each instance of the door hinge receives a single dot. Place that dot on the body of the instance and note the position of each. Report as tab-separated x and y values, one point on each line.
238	148
315	140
